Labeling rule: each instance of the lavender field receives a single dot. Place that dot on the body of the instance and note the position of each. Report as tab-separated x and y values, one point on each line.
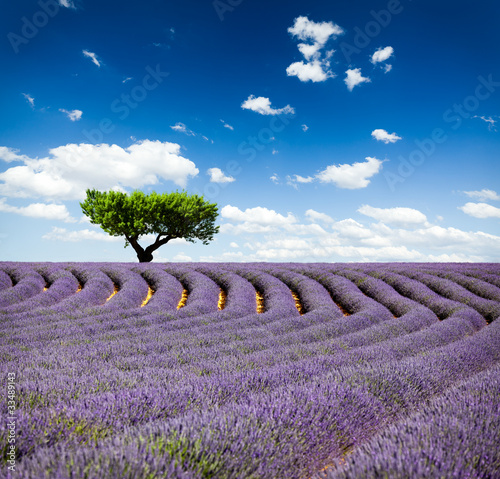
252	370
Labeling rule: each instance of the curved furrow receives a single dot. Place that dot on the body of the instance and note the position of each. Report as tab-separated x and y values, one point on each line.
202	292
130	289
97	287
444	308
490	310
389	390
477	286
27	283
62	284
313	296
167	289
5	280
240	293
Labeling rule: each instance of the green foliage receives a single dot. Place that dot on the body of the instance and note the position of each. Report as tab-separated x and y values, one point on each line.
167	215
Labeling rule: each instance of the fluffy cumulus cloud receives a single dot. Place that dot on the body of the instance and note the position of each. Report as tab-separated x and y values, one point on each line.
480	210
316	67
402	234
351	176
483	195
382	135
70	169
39	210
354	78
92	56
396	216
73	115
262	105
218	176
382	54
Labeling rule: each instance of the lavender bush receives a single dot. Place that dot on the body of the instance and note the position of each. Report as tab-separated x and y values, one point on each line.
366	370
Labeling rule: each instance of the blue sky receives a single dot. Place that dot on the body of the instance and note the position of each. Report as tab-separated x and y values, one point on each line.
325	131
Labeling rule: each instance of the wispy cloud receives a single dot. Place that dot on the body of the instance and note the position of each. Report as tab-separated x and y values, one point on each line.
29	99
305	128
125	80
262	105
226	125
382	135
67	3
354	77
218	176
483	195
92	56
73	115
182	128
489	119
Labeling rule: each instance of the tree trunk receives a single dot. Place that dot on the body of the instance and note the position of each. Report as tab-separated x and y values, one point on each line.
144	256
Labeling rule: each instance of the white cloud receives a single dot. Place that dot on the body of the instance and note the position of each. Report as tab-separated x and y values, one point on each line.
313	216
10	154
302	179
351	176
382	135
382	54
218	176
483	195
305	128
387	68
125	80
70	169
67	3
315	71
226	125
258	216
39	210
305	29
234	245
73	115
182	257
181	128
398	216
480	210
488	119
286	238
354	78
262	105
62	234
29	99
275	179
92	56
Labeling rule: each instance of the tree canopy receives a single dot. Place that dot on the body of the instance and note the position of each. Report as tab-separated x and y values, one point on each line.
166	215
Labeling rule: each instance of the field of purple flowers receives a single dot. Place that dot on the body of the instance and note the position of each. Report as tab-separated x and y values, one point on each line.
253	370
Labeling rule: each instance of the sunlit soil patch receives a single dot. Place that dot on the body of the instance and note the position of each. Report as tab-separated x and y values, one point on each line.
184	299
46	287
148	297
298	303
260	302
113	293
79	288
344	311
222	300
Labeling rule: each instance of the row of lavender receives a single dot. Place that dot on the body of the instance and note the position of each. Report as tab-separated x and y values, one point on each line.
116	388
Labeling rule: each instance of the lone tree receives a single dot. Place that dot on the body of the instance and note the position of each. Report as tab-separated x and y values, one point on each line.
167	215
